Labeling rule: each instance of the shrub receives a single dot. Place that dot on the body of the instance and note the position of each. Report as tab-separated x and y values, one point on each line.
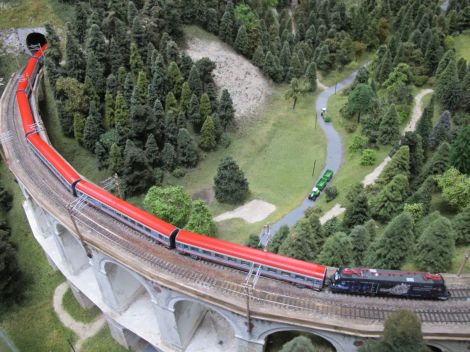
225	140
368	157
357	144
420	80
327	119
179	172
331	193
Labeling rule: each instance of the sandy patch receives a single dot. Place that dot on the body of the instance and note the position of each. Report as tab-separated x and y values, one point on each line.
244	81
253	211
337	210
417	110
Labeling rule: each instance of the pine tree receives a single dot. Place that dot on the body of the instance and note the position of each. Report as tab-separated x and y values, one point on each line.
279	237
424	125
5	199
169	157
400	164
391	249
11	278
128	88
205	107
171	105
185	98
285	59
389	201
137	175
200	220
423	195
230	184
79	26
448	87
78	126
174	78
115	161
96	43
360	241
384	68
171	129
95	71
193	114
270	68
109	109
461	226
227	24
258	56
357	213
194	81
138	36
435	248
208	135
439	162
157	87
151	151
433	52
241	42
93	128
226	110
389	128
75	63
135	60
296	69
460	151
101	155
337	251
297	246
446	58
311	75
186	150
440	131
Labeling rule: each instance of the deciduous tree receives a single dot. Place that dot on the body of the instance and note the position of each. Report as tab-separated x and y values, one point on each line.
200	220
171	204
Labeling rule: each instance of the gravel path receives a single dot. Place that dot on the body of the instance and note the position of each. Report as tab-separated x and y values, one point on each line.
82	330
253	211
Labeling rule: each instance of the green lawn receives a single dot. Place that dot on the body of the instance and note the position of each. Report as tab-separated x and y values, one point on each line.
32	13
33	326
276	153
102	342
462	46
71	305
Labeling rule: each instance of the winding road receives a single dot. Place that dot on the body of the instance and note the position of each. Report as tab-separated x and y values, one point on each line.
334	153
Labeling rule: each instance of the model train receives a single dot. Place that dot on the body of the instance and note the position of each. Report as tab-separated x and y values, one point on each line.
297	272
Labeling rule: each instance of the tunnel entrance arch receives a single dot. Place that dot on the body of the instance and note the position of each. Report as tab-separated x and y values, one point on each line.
275	340
34	40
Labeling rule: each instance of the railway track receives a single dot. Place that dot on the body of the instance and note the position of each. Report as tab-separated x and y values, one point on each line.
213	278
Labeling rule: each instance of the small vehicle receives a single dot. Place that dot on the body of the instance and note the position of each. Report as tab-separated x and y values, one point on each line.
396	283
328	174
321	184
314	193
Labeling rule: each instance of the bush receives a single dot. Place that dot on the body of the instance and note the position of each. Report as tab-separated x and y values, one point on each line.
225	140
327	119
179	172
403	113
357	144
158	174
420	80
368	157
331	193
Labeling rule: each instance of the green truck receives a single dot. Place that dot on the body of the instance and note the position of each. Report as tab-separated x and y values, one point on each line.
321	184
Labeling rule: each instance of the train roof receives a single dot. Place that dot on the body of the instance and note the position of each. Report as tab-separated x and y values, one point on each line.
29	69
253	255
25	112
391	275
126	208
54	158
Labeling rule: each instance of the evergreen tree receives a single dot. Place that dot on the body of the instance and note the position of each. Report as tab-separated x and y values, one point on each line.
169	157
137	175
138	36
461	226
109	109
115	161
258	56
385	67
102	155
128	88
414	142
212	93
194	81
438	164
95	72
402	332
171	129
270	68
361	100
311	75
440	131
337	251
75	63
241	42
5	198
391	249
226	110
279	237
299	243
186	150
208	139
435	248
389	128
230	184
400	164
432	53
96	44
360	240
296	69
285	59
298	344
11	278
227	24
357	213
460	151
448	87
424	125
200	220
78	126
93	128
389	201
185	98
171	105
253	241
151	151
205	107
157	87
193	114
174	78
135	60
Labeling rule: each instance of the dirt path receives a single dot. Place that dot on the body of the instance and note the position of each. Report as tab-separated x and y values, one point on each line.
244	81
82	330
372	177
253	211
